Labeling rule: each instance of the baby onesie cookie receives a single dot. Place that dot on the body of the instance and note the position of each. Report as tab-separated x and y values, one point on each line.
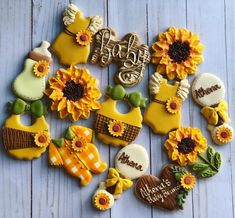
74	93
177	53
130	56
72	46
30	83
26	142
164	112
167	192
113	127
77	153
208	91
131	162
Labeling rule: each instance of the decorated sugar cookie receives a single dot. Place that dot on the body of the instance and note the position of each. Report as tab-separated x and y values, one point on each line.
164	112
77	154
26	142
177	53
113	127
169	191
208	91
131	162
74	93
130	56
30	83
72	46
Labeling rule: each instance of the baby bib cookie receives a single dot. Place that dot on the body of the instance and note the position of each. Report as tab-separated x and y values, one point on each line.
77	153
30	83
26	142
113	127
130	56
131	162
72	46
167	192
163	114
74	93
208	91
177	53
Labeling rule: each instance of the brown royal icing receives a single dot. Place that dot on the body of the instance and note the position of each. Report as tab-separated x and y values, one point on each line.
130	56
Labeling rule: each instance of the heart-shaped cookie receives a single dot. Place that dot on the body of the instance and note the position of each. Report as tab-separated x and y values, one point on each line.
167	191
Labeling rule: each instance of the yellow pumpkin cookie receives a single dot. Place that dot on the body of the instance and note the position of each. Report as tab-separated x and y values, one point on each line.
26	142
164	112
116	128
72	46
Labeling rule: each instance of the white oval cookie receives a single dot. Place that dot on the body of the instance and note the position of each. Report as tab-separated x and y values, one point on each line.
208	89
132	161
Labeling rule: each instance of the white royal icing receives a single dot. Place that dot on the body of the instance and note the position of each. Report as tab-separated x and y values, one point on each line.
43	49
183	89
154	83
70	14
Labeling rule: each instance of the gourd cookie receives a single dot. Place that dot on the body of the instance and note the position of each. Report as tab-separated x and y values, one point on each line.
30	83
208	91
72	46
26	142
113	127
163	114
77	154
131	162
130	56
177	53
74	93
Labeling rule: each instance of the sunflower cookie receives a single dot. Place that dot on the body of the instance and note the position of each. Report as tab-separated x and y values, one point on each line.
131	162
113	127
72	46
30	83
177	53
164	112
167	192
130	56
74	93
77	154
208	91
26	142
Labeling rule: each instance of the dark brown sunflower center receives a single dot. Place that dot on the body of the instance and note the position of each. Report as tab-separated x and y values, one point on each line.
186	145
179	51
73	91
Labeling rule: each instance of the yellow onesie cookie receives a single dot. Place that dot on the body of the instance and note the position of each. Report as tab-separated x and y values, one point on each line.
72	46
113	127
26	142
164	112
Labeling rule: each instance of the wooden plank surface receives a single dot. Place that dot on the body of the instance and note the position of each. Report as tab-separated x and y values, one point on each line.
31	188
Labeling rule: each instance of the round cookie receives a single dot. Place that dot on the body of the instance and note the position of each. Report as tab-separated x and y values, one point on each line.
132	161
208	89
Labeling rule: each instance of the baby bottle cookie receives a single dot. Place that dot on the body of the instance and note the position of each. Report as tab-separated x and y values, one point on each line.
167	192
72	46
77	153
130	56
164	112
131	162
26	142
30	83
208	91
113	127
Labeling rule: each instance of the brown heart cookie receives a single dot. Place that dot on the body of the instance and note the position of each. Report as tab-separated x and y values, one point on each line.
167	192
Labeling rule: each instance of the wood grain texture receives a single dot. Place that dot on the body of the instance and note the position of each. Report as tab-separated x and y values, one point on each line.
31	188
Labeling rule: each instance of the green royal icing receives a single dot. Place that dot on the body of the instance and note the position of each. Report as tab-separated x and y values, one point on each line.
58	142
69	134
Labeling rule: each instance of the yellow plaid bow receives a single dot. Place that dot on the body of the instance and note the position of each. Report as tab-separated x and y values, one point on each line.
212	114
115	179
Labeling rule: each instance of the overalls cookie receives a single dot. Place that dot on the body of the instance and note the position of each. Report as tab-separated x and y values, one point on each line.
77	154
26	142
131	162
30	83
163	114
72	46
208	91
113	127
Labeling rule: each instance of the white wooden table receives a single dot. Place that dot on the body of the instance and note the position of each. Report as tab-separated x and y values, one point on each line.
31	188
